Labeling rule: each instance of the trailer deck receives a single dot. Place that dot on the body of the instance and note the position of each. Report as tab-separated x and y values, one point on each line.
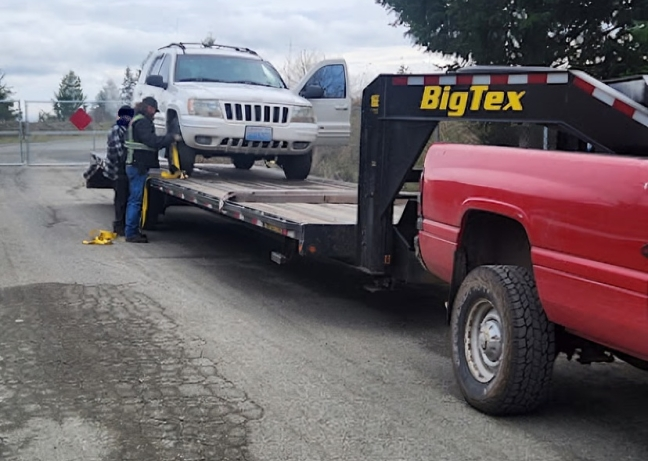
321	214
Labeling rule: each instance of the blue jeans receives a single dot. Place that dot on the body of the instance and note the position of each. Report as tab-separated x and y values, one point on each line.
137	182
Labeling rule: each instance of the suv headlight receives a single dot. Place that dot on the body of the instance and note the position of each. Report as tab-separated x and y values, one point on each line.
302	114
205	108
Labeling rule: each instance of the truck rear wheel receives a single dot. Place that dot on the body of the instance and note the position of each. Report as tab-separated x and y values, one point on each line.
297	167
503	345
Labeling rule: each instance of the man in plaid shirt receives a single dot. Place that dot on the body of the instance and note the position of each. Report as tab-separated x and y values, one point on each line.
115	167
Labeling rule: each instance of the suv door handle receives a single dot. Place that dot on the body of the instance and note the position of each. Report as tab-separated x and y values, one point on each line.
342	107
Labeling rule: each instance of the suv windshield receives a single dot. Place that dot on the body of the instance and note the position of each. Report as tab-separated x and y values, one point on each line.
226	69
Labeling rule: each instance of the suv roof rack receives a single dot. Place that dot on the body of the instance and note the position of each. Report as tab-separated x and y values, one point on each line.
183	47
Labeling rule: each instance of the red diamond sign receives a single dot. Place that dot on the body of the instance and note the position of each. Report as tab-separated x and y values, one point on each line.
80	119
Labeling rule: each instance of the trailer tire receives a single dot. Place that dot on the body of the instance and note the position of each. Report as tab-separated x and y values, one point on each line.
512	374
187	157
243	162
297	167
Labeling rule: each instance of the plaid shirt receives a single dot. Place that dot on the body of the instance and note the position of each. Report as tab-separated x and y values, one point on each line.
115	160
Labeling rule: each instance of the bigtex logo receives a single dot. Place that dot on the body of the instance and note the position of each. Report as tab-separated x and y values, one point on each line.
478	97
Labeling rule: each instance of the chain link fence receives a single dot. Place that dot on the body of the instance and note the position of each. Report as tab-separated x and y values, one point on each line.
66	132
12	148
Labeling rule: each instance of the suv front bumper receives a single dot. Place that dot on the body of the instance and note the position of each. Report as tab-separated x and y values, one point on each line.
222	137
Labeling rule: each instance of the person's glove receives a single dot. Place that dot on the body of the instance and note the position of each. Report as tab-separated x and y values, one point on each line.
177	137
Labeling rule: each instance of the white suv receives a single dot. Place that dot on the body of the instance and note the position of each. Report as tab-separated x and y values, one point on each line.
229	102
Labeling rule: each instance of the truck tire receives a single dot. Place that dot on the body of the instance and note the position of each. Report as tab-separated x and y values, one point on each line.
187	157
503	345
297	167
243	162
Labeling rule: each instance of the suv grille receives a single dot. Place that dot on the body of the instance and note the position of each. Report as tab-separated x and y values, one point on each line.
238	143
256	113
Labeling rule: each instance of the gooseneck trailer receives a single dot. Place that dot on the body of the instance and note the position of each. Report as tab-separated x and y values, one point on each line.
546	252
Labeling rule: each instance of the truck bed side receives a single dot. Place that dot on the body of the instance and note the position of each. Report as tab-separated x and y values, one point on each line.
586	219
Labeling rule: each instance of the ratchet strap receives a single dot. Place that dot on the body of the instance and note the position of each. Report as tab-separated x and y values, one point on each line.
174	171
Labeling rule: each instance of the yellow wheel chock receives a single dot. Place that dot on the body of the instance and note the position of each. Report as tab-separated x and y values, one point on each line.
100	237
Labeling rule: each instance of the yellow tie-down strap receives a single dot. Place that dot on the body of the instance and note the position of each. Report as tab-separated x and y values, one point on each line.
177	173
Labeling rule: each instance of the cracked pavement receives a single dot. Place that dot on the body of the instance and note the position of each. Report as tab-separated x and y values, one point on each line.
108	360
197	346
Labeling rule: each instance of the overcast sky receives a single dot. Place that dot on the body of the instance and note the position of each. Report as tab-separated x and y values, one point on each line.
44	39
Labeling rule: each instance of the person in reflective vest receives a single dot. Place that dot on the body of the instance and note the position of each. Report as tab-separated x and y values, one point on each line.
142	146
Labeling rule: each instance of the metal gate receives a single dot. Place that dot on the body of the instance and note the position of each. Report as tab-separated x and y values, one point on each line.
12	142
64	133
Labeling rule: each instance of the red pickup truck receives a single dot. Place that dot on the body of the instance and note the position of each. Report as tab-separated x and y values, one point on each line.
551	251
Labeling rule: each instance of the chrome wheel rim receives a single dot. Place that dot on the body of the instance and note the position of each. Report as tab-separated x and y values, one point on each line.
483	342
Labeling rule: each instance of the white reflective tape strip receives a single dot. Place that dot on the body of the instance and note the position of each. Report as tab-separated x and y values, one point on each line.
481	80
416	80
603	96
518	79
557	78
448	80
640	117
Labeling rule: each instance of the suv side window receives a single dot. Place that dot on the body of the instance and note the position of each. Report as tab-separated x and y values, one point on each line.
155	66
165	68
332	79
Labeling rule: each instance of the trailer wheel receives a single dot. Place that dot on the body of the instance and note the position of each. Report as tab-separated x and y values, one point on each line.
297	167
503	345
187	157
243	162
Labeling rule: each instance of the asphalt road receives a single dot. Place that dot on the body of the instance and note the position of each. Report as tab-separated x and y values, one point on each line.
196	346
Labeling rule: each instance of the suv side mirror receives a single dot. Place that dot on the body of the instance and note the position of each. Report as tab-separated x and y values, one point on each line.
156	80
312	92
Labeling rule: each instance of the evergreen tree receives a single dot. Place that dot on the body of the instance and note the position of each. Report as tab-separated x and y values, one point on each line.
128	84
108	101
596	37
7	110
69	97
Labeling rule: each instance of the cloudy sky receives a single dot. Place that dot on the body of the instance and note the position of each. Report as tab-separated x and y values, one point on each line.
44	39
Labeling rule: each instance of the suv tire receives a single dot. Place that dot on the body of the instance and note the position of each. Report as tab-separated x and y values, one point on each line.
297	167
187	158
243	162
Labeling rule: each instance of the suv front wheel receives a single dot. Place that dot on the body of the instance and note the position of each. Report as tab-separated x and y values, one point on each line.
297	167
243	162
187	158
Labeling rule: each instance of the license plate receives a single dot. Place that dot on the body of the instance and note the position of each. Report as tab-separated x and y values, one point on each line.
258	133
